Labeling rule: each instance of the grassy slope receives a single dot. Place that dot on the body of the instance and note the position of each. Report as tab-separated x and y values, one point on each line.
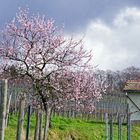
64	129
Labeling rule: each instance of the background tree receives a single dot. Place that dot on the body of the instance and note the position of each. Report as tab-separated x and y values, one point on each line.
131	73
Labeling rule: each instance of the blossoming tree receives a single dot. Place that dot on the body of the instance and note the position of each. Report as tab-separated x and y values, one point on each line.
38	50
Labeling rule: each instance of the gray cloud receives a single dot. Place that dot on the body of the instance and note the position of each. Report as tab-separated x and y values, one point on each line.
117	46
75	14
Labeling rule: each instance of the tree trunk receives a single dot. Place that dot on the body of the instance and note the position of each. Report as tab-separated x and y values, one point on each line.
36	133
7	110
3	101
47	123
20	119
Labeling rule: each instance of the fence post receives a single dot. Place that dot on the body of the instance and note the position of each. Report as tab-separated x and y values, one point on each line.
106	124
119	128
3	102
20	118
28	122
128	126
111	127
40	125
7	110
36	132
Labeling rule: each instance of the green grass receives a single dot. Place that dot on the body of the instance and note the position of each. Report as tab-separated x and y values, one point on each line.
71	129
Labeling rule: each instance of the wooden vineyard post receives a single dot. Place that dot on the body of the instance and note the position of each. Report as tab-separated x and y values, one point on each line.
36	132
20	118
106	124
3	102
7	110
40	125
111	127
119	128
28	122
47	122
128	127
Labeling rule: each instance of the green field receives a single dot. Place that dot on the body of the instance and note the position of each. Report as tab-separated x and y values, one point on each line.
71	129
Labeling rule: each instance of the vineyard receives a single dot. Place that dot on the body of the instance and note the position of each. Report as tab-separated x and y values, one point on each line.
27	121
50	90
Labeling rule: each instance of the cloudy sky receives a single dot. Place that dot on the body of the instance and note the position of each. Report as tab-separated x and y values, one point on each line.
111	27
